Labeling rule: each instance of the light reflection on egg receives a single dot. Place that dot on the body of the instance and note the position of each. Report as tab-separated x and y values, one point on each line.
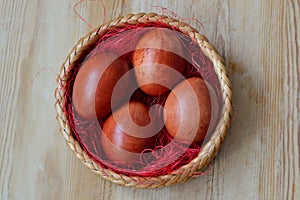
156	48
189	112
122	142
94	84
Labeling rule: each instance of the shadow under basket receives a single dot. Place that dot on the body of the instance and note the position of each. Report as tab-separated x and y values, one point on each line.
79	53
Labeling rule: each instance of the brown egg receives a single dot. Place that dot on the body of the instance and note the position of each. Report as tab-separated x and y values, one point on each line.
157	48
128	132
188	110
95	82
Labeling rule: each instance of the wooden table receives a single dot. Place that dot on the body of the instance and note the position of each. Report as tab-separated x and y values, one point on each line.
260	41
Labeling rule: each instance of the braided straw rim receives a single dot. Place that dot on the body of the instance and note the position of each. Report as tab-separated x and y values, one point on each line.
82	48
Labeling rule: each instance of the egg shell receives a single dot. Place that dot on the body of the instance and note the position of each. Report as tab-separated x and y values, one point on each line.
95	82
122	142
188	110
159	46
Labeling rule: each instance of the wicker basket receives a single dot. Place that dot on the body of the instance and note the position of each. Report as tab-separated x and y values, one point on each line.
209	150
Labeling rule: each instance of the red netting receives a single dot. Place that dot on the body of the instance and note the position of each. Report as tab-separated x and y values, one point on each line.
88	133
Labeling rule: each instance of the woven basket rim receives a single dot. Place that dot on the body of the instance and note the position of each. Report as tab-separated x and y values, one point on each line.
209	150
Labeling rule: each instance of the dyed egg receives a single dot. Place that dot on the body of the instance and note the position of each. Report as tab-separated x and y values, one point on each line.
158	50
188	110
95	82
128	132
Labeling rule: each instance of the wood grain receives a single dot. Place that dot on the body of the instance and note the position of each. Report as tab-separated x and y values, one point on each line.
260	42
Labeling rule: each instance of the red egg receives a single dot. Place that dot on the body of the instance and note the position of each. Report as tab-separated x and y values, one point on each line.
188	110
128	132
94	84
158	48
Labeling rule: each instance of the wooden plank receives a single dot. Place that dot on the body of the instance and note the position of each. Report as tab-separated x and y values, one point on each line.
260	43
11	58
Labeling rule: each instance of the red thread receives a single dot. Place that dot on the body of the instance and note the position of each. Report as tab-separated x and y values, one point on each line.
207	171
87	133
170	13
83	19
39	71
104	11
124	7
75	11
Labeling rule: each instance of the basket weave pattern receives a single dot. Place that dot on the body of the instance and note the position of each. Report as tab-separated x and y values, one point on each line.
80	51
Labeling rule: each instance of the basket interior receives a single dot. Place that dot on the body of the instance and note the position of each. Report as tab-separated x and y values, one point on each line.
122	40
